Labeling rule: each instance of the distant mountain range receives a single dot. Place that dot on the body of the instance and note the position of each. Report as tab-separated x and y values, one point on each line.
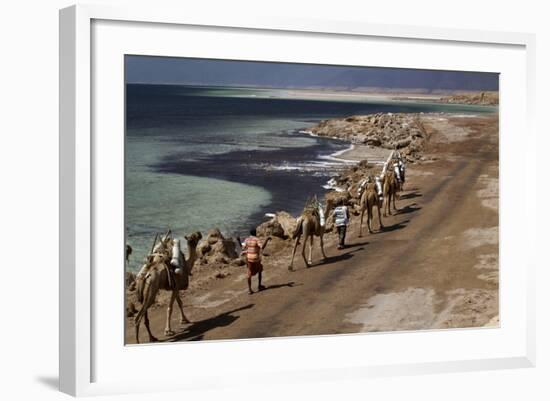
164	70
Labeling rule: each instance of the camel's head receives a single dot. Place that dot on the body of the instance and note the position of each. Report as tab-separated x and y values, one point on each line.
193	239
192	242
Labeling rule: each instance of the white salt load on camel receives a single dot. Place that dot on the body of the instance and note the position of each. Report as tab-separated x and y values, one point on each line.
397	172
379	187
175	262
321	215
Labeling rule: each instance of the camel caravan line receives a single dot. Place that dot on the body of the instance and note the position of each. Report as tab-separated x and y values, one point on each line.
167	269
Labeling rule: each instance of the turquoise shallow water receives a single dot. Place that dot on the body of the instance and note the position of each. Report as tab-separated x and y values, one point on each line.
187	204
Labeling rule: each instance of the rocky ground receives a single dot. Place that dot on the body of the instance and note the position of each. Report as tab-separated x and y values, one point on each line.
434	266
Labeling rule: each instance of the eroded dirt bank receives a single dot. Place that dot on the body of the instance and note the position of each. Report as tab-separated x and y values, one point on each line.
434	266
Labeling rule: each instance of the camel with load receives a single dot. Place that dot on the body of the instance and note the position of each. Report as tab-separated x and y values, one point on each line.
166	269
310	224
370	196
390	186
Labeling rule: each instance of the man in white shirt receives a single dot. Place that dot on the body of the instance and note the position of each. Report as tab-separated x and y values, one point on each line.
341	220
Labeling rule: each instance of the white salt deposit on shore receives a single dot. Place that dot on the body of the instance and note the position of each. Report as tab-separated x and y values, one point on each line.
423	309
488	194
481	236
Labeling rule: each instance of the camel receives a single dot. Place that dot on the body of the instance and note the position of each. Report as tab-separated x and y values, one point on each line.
310	224
369	198
390	183
159	276
390	187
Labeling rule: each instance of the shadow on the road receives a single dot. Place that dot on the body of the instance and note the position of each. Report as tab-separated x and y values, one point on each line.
196	330
411	195
334	259
197	338
358	243
409	209
393	227
290	284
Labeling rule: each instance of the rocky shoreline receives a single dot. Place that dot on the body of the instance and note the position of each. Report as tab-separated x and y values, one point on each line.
402	131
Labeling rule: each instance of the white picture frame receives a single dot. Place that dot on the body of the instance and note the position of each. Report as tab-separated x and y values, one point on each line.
81	347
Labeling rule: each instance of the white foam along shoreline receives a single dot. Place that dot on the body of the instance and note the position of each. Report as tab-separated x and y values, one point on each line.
335	157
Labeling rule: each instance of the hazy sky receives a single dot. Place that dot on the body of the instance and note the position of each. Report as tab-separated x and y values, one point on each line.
187	71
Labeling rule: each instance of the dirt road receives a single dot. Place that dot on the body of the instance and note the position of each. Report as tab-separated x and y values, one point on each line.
435	265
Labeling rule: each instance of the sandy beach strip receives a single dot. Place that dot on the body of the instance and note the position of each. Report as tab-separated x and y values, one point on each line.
357	153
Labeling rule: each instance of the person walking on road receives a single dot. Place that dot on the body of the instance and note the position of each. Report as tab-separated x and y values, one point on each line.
341	220
252	248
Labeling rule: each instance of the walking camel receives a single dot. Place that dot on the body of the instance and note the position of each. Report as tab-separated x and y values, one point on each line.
310	224
389	186
390	191
160	277
370	198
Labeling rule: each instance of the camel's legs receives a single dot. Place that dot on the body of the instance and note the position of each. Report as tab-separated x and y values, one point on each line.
385	203
369	217
361	224
310	248
137	323
147	302
152	338
393	200
294	252
168	329
304	248
322	246
381	226
180	305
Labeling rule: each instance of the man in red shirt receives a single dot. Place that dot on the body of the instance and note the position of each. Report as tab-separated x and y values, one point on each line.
252	248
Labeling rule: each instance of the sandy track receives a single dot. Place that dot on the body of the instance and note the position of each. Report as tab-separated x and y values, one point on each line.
434	266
